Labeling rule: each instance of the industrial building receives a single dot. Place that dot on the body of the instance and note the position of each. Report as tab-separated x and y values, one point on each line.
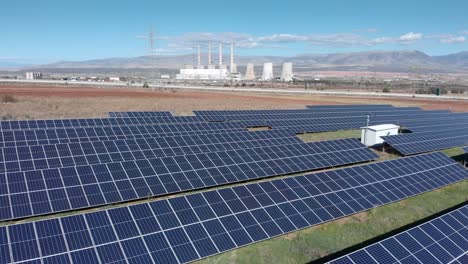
221	71
33	75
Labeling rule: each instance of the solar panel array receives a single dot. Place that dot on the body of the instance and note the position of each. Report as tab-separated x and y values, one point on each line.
191	227
67	135
95	122
296	111
321	115
139	114
27	158
465	149
28	193
440	240
414	143
346	107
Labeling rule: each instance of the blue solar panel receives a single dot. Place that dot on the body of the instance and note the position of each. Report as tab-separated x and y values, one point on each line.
465	149
321	115
27	158
358	106
291	111
139	114
45	191
95	122
69	135
414	143
195	226
441	240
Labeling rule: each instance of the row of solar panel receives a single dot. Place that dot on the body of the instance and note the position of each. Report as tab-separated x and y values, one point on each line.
191	227
359	106
292	111
26	158
331	107
139	114
323	115
55	136
53	190
414	143
95	122
443	239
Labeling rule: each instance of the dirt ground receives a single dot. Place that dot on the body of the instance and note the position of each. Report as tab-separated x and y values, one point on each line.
46	102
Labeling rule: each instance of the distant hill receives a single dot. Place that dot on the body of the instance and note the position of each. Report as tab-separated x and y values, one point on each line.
392	61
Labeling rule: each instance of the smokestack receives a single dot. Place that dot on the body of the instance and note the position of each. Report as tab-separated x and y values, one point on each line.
210	61
233	65
199	64
267	71
220	54
250	72
209	53
287	73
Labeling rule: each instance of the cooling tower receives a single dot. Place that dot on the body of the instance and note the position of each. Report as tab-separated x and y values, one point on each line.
250	72
233	68
267	71
287	73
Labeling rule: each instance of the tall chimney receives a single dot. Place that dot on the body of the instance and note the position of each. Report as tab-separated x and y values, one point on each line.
199	55
209	53
220	54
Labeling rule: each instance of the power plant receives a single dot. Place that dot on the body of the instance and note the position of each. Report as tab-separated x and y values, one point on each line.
221	72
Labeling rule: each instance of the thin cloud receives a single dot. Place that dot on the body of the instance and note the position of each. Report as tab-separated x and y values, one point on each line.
453	39
410	37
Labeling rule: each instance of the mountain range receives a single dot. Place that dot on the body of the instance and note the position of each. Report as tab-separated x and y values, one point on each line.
390	61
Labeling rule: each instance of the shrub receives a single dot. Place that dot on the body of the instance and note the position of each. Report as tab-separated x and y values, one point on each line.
386	90
8	99
145	85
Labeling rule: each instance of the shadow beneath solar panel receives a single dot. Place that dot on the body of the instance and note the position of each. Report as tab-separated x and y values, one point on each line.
260	128
376	239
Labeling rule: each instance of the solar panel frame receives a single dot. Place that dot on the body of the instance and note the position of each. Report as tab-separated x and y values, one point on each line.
195	226
443	244
24	194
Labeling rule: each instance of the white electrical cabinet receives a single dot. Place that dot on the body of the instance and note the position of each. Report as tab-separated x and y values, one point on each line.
371	136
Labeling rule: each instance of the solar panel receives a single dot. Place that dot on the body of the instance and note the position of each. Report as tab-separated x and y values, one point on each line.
27	158
439	128
414	143
443	239
465	149
335	124
359	106
139	114
290	111
195	226
45	191
86	134
320	115
95	122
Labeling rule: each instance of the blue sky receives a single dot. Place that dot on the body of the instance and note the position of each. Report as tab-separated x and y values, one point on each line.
51	30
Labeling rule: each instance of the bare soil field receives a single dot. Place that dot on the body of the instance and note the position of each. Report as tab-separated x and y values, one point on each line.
46	102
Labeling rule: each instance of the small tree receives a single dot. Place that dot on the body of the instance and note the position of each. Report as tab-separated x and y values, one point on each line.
145	85
386	90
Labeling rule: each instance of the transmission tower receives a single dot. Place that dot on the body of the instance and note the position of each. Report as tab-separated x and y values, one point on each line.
151	50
